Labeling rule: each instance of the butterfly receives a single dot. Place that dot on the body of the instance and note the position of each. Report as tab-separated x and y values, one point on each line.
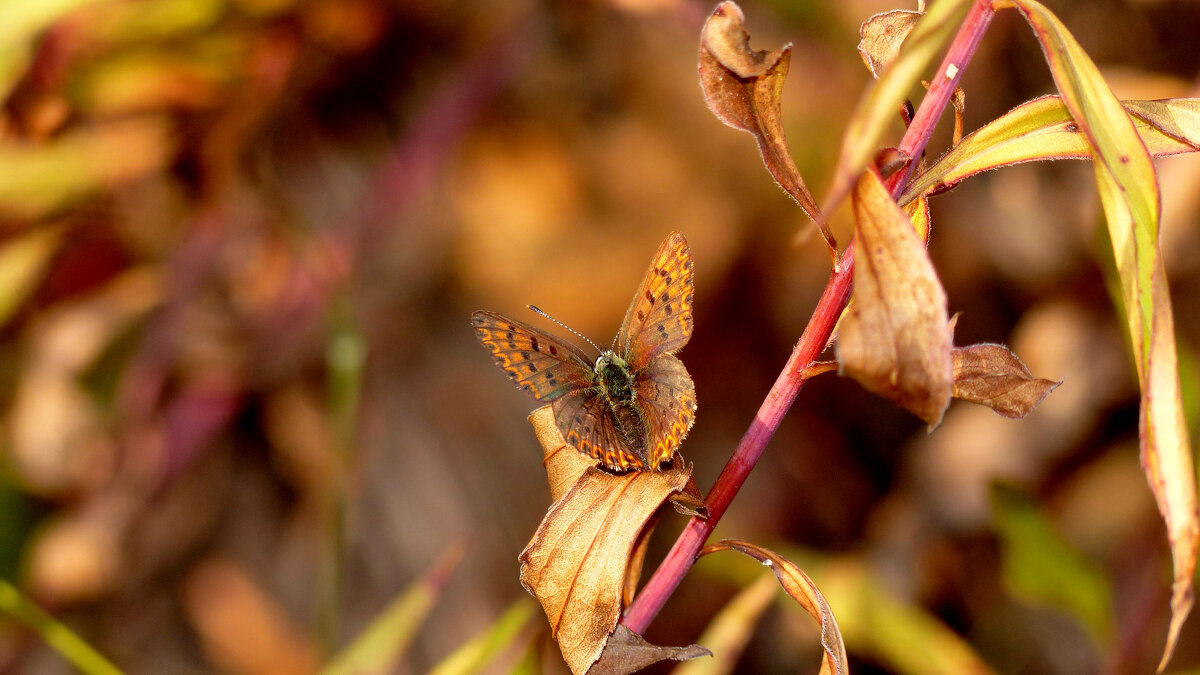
631	407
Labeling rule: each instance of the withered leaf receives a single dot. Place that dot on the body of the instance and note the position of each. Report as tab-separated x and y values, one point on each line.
991	375
882	36
576	564
895	337
801	588
743	87
628	652
564	465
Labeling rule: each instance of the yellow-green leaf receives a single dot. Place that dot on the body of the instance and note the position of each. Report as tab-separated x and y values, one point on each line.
38	178
22	265
1128	190
58	636
1043	129
23	22
480	650
380	645
1129	193
730	630
882	100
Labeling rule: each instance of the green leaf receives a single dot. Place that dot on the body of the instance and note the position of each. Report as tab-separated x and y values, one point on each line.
479	651
1129	194
1042	568
379	646
58	636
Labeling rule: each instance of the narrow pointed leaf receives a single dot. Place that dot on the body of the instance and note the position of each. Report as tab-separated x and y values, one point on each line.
1043	129
60	638
480	650
801	588
23	262
1129	194
991	375
380	645
877	109
743	88
894	337
731	629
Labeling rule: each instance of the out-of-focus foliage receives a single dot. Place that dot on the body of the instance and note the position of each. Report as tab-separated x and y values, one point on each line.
240	391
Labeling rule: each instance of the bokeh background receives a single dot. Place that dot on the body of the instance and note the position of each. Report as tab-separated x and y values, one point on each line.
243	409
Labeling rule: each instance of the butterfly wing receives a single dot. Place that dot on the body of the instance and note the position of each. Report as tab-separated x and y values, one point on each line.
538	362
659	320
667	399
588	424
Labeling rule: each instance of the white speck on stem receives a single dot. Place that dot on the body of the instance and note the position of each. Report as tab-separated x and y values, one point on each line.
951	71
767	562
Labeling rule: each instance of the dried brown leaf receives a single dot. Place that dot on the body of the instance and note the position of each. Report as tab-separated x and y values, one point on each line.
894	338
742	87
991	375
882	36
564	464
801	588
628	652
577	563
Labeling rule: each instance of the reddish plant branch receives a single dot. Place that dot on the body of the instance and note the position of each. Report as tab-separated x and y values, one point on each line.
816	336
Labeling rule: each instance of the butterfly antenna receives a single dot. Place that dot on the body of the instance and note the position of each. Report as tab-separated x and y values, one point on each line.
581	335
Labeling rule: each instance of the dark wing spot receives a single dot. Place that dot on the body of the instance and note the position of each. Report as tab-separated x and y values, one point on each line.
662	330
670	309
553	350
649	297
641	315
533	369
525	355
533	343
666	294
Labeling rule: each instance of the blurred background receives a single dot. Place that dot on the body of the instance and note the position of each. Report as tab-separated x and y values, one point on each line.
243	408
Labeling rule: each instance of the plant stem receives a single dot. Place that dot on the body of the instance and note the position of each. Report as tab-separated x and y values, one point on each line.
814	340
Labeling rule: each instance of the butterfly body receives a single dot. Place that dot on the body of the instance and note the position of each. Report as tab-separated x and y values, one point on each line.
631	408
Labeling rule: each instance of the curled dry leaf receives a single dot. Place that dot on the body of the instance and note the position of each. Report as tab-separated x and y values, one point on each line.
894	337
882	36
801	588
742	87
628	652
578	563
991	375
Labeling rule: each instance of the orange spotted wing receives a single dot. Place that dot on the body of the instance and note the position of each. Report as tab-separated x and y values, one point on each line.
637	429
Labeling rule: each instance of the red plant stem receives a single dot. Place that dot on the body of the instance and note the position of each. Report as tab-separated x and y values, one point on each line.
816	336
